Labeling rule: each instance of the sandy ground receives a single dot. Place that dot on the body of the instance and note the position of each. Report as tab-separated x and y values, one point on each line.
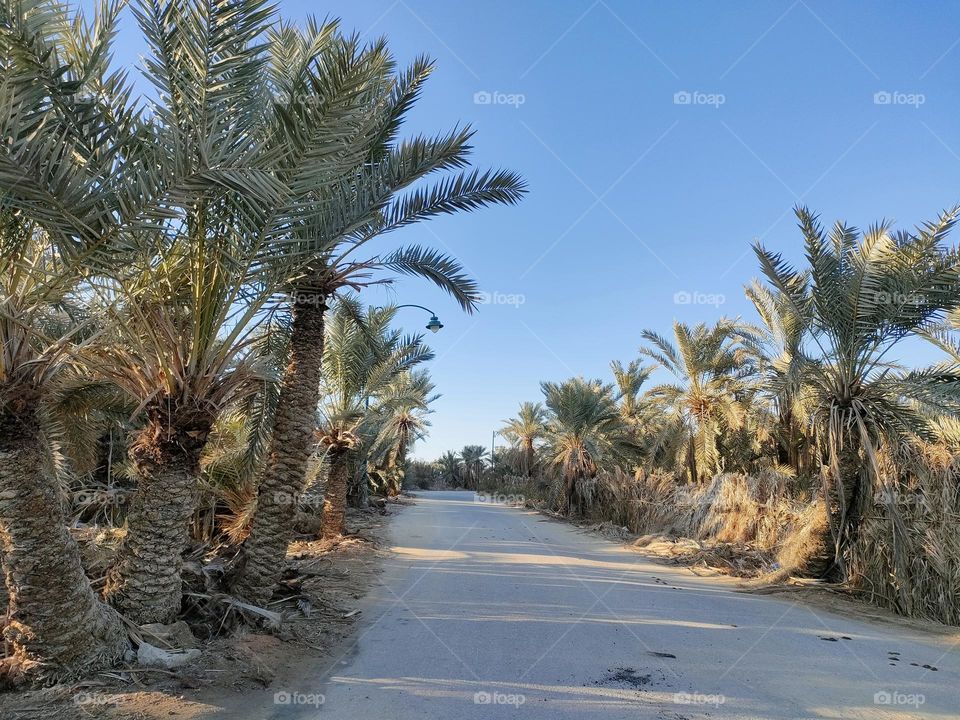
246	664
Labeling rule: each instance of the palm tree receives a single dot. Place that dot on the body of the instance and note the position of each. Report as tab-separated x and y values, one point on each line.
473	458
65	187
401	420
630	380
777	348
524	431
362	358
362	203
708	398
862	295
449	465
585	433
184	310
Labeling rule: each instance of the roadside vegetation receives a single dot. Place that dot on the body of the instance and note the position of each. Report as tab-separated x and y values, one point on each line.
796	444
186	366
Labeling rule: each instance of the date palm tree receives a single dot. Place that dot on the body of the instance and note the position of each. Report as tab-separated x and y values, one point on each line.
362	358
183	311
401	420
66	189
585	433
707	399
472	459
862	295
524	431
449	465
362	203
777	350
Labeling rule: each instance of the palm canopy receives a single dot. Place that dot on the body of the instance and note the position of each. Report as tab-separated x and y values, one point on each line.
708	397
585	433
338	111
862	294
363	361
400	415
524	432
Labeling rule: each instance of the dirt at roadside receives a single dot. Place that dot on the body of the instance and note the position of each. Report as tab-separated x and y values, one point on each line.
247	666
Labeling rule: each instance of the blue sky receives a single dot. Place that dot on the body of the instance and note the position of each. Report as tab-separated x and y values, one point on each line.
658	140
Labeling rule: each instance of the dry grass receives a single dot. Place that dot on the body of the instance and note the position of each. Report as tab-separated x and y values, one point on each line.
922	578
756	525
750	511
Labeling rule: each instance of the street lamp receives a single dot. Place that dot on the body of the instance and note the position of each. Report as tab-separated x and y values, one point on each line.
434	325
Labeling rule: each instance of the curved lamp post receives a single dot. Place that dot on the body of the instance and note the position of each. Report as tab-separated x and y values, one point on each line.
434	325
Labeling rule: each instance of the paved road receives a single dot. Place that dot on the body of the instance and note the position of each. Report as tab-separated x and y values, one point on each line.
489	611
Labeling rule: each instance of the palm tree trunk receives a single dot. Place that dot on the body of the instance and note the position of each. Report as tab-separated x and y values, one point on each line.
528	457
335	496
692	461
827	550
145	580
260	562
56	623
358	493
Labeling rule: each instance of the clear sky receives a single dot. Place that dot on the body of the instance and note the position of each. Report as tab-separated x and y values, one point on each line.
658	139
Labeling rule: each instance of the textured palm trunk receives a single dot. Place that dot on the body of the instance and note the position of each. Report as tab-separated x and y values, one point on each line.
827	550
846	508
692	462
398	468
528	457
145	581
335	496
358	494
260	562
56	623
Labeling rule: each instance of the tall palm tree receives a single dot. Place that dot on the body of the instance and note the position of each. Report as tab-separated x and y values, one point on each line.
362	358
66	186
401	420
708	398
184	310
777	349
585	433
473	458
449	465
363	202
524	431
862	295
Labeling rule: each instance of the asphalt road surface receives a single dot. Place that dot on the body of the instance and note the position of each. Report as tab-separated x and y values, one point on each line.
490	611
